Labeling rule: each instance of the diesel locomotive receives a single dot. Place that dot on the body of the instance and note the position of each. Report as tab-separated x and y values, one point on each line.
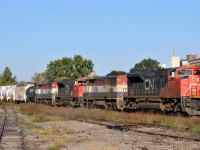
172	90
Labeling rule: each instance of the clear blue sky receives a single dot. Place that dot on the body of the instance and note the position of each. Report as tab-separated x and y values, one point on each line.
114	34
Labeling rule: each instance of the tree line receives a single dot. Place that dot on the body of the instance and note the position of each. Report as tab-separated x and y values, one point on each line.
71	68
6	78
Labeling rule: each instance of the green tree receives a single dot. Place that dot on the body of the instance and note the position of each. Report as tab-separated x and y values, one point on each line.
146	64
114	72
68	68
38	77
7	78
81	67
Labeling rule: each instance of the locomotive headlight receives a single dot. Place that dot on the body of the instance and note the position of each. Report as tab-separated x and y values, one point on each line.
197	79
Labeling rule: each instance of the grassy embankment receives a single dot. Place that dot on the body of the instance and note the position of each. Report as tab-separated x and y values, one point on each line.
42	113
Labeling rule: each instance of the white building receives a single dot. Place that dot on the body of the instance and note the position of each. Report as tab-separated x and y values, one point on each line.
162	65
184	62
175	61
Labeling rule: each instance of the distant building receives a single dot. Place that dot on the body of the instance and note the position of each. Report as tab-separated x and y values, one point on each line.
175	61
191	57
194	61
184	62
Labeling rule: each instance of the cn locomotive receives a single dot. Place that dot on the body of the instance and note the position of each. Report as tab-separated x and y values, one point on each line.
172	90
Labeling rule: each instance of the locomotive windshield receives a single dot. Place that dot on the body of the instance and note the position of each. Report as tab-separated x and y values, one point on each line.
184	72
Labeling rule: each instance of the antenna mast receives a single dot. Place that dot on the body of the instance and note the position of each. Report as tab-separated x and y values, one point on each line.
173	52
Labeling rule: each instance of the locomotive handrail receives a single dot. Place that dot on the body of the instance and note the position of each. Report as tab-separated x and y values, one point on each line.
190	87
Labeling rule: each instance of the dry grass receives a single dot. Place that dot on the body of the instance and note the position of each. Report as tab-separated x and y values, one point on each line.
42	113
54	136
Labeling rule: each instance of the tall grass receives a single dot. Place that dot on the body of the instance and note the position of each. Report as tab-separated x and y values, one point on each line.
42	113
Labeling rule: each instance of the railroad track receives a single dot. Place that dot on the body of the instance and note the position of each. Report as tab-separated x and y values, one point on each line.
11	137
146	129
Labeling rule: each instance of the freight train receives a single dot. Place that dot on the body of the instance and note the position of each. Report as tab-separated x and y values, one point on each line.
172	90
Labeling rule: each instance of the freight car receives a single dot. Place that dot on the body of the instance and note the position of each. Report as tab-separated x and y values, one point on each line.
7	93
169	90
24	93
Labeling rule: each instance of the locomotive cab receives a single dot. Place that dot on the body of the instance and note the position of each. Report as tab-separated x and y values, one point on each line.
189	89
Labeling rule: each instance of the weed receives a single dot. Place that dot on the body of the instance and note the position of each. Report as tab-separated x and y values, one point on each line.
29	125
196	129
42	113
71	132
53	148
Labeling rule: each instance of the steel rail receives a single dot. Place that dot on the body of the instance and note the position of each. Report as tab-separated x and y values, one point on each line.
5	128
136	126
3	123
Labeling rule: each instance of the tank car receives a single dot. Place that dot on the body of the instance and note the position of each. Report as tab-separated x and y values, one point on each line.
21	93
30	93
168	90
106	91
7	93
10	93
4	93
2	88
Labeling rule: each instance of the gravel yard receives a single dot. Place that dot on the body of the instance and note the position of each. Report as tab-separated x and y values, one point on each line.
76	135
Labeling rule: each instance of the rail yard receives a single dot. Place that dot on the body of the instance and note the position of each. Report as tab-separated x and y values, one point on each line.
172	91
83	134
